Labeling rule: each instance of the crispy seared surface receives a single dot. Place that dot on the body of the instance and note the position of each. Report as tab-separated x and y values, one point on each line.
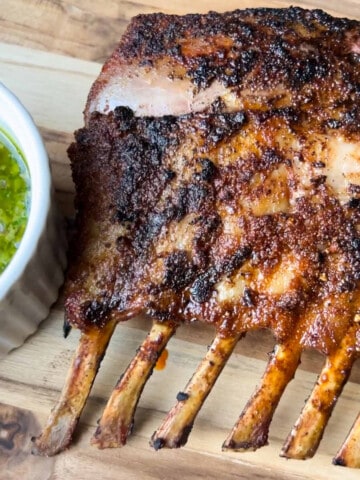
241	206
245	214
239	219
252	59
218	179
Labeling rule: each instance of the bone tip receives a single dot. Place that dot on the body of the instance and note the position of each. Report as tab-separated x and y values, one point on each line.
339	461
55	438
101	443
173	439
289	454
157	442
290	450
345	460
108	438
37	447
299	447
243	446
42	448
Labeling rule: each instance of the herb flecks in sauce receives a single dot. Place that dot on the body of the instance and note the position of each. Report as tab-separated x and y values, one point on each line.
14	199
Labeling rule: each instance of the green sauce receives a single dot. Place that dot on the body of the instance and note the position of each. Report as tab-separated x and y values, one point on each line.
14	198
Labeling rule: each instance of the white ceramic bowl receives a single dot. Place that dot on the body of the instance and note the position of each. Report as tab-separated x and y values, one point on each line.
29	284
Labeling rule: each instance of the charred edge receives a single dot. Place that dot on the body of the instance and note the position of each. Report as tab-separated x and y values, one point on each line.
190	198
354	203
310	69
317	181
158	443
158	34
232	445
355	244
202	288
179	271
353	188
208	228
333	124
169	175
242	446
95	312
152	37
235	261
319	164
142	177
208	171
124	117
340	462
66	328
182	396
151	229
248	299
221	126
184	436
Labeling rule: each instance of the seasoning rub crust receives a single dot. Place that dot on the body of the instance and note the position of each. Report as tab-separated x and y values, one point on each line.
218	180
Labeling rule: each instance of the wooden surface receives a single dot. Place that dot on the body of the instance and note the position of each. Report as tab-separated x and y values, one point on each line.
50	53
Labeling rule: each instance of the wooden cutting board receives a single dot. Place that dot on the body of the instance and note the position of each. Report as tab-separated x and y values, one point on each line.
50	53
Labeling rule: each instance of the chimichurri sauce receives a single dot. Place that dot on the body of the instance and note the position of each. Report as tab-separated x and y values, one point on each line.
14	198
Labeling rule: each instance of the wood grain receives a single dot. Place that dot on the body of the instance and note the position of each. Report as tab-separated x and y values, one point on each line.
50	53
89	29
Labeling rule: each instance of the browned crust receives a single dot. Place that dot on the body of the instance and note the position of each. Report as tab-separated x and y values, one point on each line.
131	189
182	217
244	50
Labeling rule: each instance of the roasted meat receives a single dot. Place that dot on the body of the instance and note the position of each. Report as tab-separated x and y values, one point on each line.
218	180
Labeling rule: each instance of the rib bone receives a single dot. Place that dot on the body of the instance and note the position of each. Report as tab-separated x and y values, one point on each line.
307	432
63	419
176	427
251	430
117	420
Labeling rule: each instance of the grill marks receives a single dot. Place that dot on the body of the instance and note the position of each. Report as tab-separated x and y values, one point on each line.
203	286
138	156
179	271
177	192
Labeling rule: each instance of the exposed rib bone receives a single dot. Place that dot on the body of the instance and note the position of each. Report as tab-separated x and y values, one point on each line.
117	420
251	430
63	419
175	429
307	432
349	453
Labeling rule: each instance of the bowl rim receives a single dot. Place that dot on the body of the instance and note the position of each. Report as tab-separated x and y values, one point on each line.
17	122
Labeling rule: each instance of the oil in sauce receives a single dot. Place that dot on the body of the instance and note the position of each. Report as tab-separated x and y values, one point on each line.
14	198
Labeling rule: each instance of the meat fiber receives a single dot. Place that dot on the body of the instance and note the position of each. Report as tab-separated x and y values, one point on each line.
218	180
